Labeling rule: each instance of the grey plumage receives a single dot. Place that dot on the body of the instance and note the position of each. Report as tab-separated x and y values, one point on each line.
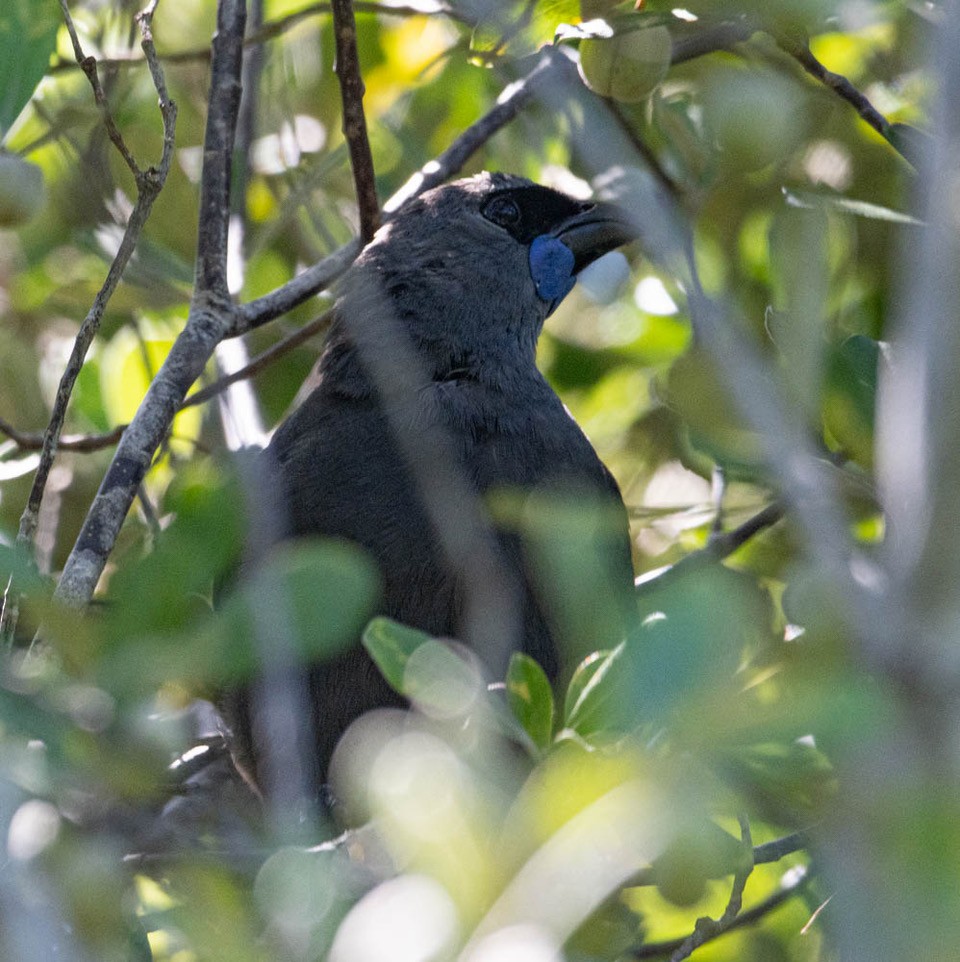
432	357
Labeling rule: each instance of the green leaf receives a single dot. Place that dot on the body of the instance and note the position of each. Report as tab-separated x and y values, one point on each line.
28	37
308	601
808	200
594	695
531	698
697	626
429	672
851	396
441	682
575	551
390	645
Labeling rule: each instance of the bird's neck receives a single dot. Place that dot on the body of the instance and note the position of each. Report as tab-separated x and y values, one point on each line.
362	351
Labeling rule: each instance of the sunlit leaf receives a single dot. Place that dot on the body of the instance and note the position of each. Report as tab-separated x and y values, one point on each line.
531	698
28	38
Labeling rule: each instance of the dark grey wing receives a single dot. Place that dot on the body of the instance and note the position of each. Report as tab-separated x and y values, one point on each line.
333	471
545	449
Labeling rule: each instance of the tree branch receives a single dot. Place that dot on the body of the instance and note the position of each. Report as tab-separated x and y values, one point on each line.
655	950
354	121
210	319
845	90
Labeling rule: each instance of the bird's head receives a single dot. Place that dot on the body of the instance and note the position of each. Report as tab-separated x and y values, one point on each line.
473	268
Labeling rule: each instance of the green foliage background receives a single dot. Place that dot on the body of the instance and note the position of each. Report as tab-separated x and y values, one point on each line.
746	690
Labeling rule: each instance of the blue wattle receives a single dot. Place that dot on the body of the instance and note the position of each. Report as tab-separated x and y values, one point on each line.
551	267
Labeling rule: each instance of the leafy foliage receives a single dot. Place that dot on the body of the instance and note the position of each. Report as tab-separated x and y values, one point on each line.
768	677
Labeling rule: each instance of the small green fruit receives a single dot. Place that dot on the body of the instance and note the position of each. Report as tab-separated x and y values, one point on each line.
629	66
21	190
681	872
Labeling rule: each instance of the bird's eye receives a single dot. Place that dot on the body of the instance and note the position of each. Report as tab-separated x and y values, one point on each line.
503	211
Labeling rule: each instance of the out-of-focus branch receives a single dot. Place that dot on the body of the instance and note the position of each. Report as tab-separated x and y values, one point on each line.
354	120
707	40
656	950
209	320
762	854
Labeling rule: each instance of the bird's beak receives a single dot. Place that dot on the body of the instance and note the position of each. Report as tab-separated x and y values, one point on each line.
595	231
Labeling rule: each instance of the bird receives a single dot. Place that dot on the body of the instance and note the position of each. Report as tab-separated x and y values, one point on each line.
431	357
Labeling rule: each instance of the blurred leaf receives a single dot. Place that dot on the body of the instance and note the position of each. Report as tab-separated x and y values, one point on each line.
28	38
799	274
576	551
627	66
698	624
755	115
785	780
200	544
309	600
531	698
697	393
390	645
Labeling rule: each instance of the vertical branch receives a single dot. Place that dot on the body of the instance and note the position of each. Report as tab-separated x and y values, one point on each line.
354	121
211	317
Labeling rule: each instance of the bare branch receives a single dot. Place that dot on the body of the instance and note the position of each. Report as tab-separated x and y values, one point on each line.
845	90
33	441
209	320
89	66
354	120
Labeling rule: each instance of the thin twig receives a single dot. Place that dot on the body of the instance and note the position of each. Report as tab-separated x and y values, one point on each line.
656	950
209	320
723	544
149	184
354	120
263	360
718	547
845	90
276	28
89	66
33	441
